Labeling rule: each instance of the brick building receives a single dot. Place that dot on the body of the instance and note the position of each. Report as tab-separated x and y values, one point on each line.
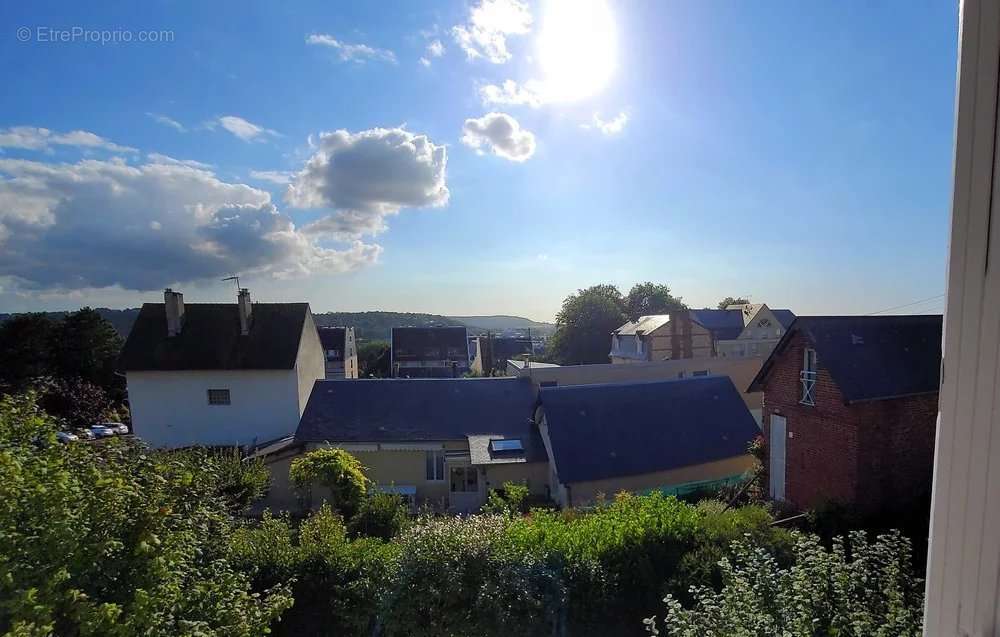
849	410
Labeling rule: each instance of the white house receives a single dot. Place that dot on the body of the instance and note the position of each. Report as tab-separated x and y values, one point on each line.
220	373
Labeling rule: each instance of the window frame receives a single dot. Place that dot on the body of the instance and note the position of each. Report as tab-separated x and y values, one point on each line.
808	376
219	402
434	459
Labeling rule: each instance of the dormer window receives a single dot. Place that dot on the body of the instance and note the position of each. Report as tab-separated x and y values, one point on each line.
807	377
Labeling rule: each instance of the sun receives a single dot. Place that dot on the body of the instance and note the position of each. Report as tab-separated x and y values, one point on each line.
576	48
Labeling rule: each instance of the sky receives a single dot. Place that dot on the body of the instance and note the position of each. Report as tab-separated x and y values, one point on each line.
481	157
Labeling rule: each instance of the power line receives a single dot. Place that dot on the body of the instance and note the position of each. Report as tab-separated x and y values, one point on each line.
899	307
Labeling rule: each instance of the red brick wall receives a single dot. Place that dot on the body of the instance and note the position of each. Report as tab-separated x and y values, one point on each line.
864	454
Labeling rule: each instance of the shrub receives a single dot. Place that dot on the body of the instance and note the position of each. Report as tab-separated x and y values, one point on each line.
335	469
463	576
381	515
857	589
512	498
111	539
336	583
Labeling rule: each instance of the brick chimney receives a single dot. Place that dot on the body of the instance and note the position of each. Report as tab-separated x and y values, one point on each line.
174	304
245	309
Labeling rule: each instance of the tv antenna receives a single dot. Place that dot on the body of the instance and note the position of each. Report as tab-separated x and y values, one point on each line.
236	278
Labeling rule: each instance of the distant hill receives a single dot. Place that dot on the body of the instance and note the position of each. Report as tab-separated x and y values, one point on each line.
367	325
502	322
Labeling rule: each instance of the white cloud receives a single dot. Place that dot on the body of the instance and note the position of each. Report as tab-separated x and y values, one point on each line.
167	121
273	176
501	134
247	131
157	158
485	33
367	176
34	138
425	61
512	93
352	52
434	50
612	126
97	223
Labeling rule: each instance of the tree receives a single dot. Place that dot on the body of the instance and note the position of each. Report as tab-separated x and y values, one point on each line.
25	346
75	401
726	302
651	298
373	359
87	346
584	325
338	471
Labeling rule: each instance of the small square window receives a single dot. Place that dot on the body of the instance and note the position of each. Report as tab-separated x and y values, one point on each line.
500	445
218	397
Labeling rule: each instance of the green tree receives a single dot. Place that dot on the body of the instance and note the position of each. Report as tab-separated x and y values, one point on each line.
338	471
584	325
25	349
115	540
86	346
373	359
726	302
651	298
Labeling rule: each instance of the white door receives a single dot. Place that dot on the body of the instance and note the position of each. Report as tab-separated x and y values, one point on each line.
777	468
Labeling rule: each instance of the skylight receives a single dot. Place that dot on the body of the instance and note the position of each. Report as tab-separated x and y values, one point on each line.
511	444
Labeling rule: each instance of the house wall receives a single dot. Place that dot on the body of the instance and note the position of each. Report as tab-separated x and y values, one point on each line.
310	364
351	369
281	496
582	493
170	408
870	454
535	475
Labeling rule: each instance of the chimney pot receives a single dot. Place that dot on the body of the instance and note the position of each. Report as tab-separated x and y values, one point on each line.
173	302
245	308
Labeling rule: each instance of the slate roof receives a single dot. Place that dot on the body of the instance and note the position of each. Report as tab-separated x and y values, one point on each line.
645	324
870	357
210	338
728	324
613	430
409	410
412	343
481	454
332	338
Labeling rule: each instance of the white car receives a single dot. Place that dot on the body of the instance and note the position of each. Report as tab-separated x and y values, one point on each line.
102	431
119	428
65	436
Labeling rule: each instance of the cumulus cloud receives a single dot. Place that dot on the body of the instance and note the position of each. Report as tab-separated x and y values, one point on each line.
513	94
366	177
612	126
485	33
501	134
157	158
273	176
94	224
34	138
245	130
167	121
352	52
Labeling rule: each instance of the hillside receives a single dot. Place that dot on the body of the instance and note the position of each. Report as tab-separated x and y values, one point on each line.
368	325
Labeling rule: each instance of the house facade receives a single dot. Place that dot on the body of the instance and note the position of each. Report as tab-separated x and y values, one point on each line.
674	436
491	353
739	331
849	410
340	352
219	374
429	352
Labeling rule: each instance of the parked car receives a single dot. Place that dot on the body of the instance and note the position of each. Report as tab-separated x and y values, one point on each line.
102	431
65	436
117	427
85	434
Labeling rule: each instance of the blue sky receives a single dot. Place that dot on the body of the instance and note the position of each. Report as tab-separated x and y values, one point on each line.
798	153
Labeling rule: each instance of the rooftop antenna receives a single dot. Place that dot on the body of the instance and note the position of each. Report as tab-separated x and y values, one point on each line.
236	278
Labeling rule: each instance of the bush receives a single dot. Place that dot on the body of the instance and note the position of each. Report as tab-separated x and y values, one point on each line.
335	469
381	515
512	498
857	589
112	539
462	576
336	583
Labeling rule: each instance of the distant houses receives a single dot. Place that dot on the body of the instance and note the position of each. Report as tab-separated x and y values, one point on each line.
850	407
739	331
340	352
491	353
219	373
429	352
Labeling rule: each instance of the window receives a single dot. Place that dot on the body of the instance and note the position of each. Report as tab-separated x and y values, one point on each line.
332	354
464	480
218	397
808	377
435	465
499	445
